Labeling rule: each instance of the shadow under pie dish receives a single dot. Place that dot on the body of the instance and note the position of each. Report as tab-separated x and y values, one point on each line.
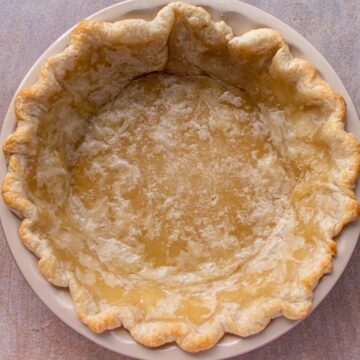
181	181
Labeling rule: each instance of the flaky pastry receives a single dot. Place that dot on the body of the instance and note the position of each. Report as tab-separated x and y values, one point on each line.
183	182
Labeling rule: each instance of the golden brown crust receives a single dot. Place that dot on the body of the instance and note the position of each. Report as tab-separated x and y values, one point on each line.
258	43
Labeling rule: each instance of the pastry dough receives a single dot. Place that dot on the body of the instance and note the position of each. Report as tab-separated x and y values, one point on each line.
183	182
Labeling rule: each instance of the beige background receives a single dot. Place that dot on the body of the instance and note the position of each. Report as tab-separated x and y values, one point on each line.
28	330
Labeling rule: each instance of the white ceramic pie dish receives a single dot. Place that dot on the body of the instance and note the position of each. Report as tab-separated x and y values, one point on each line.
240	17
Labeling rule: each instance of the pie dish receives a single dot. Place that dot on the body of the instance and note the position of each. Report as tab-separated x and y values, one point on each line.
181	181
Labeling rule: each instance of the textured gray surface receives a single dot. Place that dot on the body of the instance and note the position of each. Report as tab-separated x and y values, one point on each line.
28	329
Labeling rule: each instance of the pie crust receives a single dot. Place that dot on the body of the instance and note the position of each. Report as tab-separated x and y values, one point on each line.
183	182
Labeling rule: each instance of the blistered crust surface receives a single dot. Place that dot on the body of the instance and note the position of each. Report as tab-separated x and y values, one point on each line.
70	118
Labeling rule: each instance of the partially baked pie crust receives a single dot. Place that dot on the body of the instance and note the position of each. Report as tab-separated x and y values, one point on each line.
183	182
